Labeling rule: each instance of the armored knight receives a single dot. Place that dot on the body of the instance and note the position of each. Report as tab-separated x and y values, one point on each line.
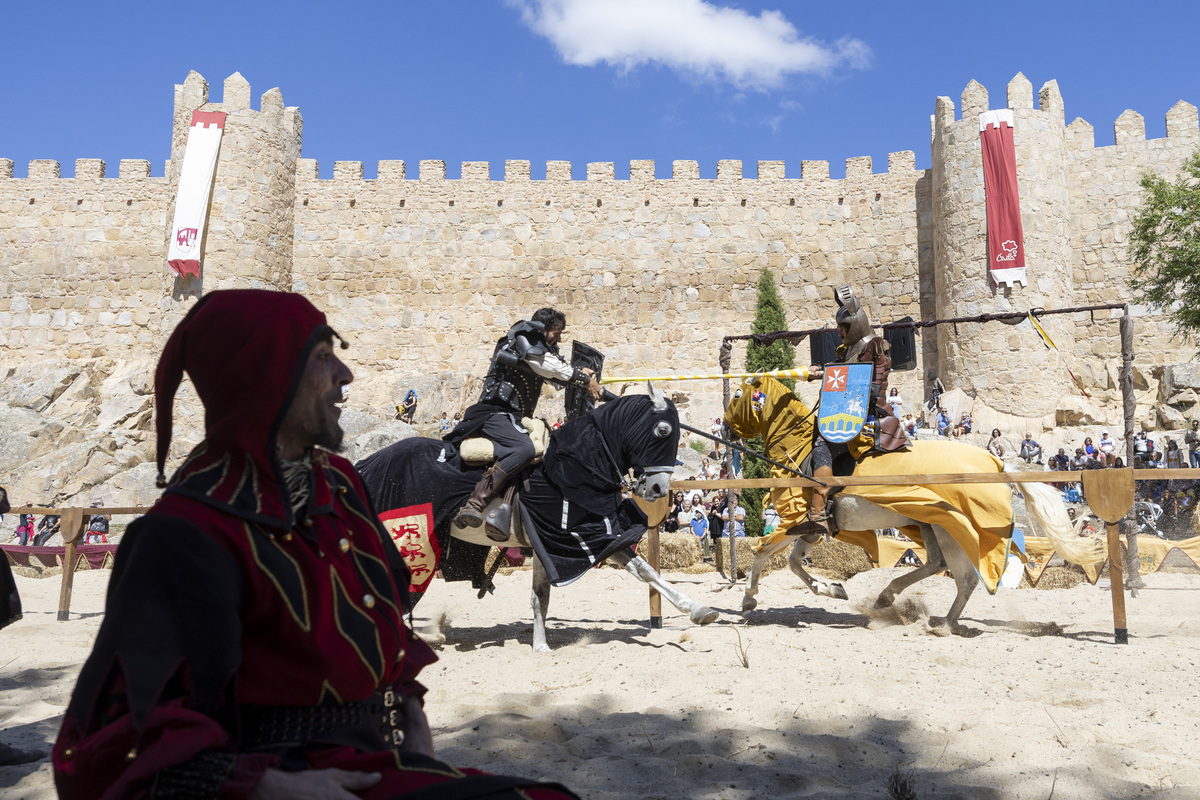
524	359
859	343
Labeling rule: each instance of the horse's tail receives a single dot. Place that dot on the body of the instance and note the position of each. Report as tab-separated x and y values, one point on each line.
1046	509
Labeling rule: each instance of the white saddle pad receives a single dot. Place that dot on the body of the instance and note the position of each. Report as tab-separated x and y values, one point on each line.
478	450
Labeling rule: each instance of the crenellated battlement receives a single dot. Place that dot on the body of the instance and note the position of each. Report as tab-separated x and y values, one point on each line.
641	171
86	169
1129	128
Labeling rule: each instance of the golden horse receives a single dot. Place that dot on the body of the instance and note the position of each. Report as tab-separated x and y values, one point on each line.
965	528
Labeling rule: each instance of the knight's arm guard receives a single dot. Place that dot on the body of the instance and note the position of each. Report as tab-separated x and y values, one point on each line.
554	369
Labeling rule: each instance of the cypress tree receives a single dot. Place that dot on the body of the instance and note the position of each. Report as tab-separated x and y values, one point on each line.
768	318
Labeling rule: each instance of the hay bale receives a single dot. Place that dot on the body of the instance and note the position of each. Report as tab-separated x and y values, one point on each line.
840	560
676	551
1064	577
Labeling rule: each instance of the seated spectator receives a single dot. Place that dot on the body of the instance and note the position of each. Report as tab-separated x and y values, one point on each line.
559	424
1107	448
407	410
47	527
1061	462
1090	449
1141	446
943	422
1119	463
995	445
97	526
1030	450
963	426
444	424
1080	461
910	426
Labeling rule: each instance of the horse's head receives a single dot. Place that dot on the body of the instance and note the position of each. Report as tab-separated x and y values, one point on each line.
745	416
645	428
757	404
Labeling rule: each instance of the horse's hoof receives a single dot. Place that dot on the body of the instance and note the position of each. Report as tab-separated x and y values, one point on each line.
704	615
838	592
749	604
541	648
884	601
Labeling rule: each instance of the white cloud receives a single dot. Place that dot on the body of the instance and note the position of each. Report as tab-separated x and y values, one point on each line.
693	37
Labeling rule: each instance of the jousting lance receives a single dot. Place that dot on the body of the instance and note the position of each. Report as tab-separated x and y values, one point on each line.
803	374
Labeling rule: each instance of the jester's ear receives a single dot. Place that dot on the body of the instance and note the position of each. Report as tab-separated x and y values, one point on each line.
752	380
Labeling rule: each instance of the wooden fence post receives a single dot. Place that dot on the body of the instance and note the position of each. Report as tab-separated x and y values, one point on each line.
72	528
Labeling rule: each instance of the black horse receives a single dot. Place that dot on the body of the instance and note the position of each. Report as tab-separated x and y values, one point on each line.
568	508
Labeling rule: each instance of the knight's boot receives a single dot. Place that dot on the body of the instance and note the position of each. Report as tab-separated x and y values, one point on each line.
490	485
818	520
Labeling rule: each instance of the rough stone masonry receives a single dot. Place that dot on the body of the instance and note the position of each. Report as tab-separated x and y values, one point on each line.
424	272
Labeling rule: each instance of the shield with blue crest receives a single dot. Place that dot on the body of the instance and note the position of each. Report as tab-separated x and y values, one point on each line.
845	392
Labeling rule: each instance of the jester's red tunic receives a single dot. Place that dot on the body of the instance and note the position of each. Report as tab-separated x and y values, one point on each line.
240	634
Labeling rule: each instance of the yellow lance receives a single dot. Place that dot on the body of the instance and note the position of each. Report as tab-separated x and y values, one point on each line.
803	374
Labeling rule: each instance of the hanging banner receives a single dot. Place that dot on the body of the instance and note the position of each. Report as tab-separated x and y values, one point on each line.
195	183
1006	242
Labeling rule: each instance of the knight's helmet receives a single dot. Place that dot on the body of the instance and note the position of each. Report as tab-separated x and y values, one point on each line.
851	313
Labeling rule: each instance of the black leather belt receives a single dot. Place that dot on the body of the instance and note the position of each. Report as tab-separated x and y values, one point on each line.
370	725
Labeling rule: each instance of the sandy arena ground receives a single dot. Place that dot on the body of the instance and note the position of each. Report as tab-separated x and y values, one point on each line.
801	698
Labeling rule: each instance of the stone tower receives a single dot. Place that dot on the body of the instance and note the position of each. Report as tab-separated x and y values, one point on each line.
1008	365
248	242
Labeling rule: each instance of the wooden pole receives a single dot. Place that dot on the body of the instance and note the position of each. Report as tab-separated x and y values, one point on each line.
724	358
72	528
652	551
1129	405
1120	626
1110	496
656	513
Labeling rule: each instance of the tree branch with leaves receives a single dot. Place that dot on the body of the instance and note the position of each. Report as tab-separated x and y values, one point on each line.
1164	246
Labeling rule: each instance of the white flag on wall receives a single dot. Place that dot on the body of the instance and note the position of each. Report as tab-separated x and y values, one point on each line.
195	183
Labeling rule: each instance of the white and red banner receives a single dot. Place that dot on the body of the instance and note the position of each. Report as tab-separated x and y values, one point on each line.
195	184
1006	242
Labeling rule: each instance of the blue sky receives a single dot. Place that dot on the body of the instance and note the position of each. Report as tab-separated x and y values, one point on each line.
581	80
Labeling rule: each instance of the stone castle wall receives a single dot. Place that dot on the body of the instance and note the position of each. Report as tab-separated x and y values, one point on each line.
423	273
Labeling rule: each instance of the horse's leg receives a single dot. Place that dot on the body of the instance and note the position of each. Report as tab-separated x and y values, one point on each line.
699	614
934	563
965	578
800	551
540	600
760	561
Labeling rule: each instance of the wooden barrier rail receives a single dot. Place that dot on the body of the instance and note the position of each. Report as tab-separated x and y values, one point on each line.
72	526
1111	490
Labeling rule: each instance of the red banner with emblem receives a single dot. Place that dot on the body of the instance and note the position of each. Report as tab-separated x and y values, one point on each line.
1006	241
411	529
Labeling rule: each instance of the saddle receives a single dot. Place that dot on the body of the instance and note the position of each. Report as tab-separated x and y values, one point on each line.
498	515
478	451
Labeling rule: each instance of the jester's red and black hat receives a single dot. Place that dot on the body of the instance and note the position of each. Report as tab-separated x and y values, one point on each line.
245	351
